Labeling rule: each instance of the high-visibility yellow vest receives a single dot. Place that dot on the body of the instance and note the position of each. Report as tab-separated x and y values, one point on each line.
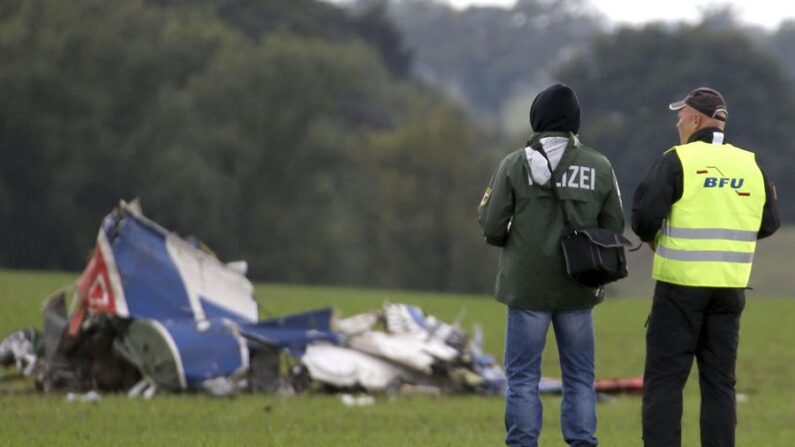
709	238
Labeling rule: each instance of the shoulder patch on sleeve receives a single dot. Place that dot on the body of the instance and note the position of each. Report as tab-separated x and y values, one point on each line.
486	197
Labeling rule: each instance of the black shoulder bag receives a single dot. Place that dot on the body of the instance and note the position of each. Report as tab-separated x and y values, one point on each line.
594	256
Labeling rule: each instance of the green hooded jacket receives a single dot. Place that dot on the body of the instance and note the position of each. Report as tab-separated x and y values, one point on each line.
526	220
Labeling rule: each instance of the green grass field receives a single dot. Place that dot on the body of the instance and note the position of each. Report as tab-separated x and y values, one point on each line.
766	378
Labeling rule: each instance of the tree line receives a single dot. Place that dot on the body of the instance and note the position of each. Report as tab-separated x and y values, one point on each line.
299	136
284	133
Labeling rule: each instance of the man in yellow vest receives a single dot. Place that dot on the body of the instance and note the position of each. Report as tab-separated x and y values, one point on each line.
701	208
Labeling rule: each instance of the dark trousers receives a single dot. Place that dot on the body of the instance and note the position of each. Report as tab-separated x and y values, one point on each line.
687	322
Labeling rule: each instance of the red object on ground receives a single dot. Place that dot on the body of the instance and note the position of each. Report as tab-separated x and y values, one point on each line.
614	386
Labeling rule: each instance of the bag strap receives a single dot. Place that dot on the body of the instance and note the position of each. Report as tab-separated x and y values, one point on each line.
540	149
566	221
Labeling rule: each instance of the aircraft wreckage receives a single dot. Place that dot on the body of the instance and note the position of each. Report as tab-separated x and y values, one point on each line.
152	312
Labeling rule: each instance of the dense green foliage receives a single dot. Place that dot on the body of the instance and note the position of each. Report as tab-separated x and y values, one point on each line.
279	132
302	136
29	419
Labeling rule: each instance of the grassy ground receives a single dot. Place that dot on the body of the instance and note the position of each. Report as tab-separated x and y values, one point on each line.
766	417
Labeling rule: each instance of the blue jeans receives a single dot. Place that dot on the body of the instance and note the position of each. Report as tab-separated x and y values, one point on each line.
524	343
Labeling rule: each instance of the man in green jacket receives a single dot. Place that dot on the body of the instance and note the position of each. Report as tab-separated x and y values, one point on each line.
520	213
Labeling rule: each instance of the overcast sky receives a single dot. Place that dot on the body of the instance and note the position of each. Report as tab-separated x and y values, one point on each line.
767	13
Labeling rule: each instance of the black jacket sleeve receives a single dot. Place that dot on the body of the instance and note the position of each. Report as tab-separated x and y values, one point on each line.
770	221
656	194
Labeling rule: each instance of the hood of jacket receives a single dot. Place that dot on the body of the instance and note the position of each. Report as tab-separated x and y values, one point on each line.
554	144
555	109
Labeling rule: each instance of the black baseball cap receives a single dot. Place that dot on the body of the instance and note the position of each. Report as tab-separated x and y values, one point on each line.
706	100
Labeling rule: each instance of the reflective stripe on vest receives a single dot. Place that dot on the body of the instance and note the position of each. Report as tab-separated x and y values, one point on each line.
709	233
709	238
705	255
